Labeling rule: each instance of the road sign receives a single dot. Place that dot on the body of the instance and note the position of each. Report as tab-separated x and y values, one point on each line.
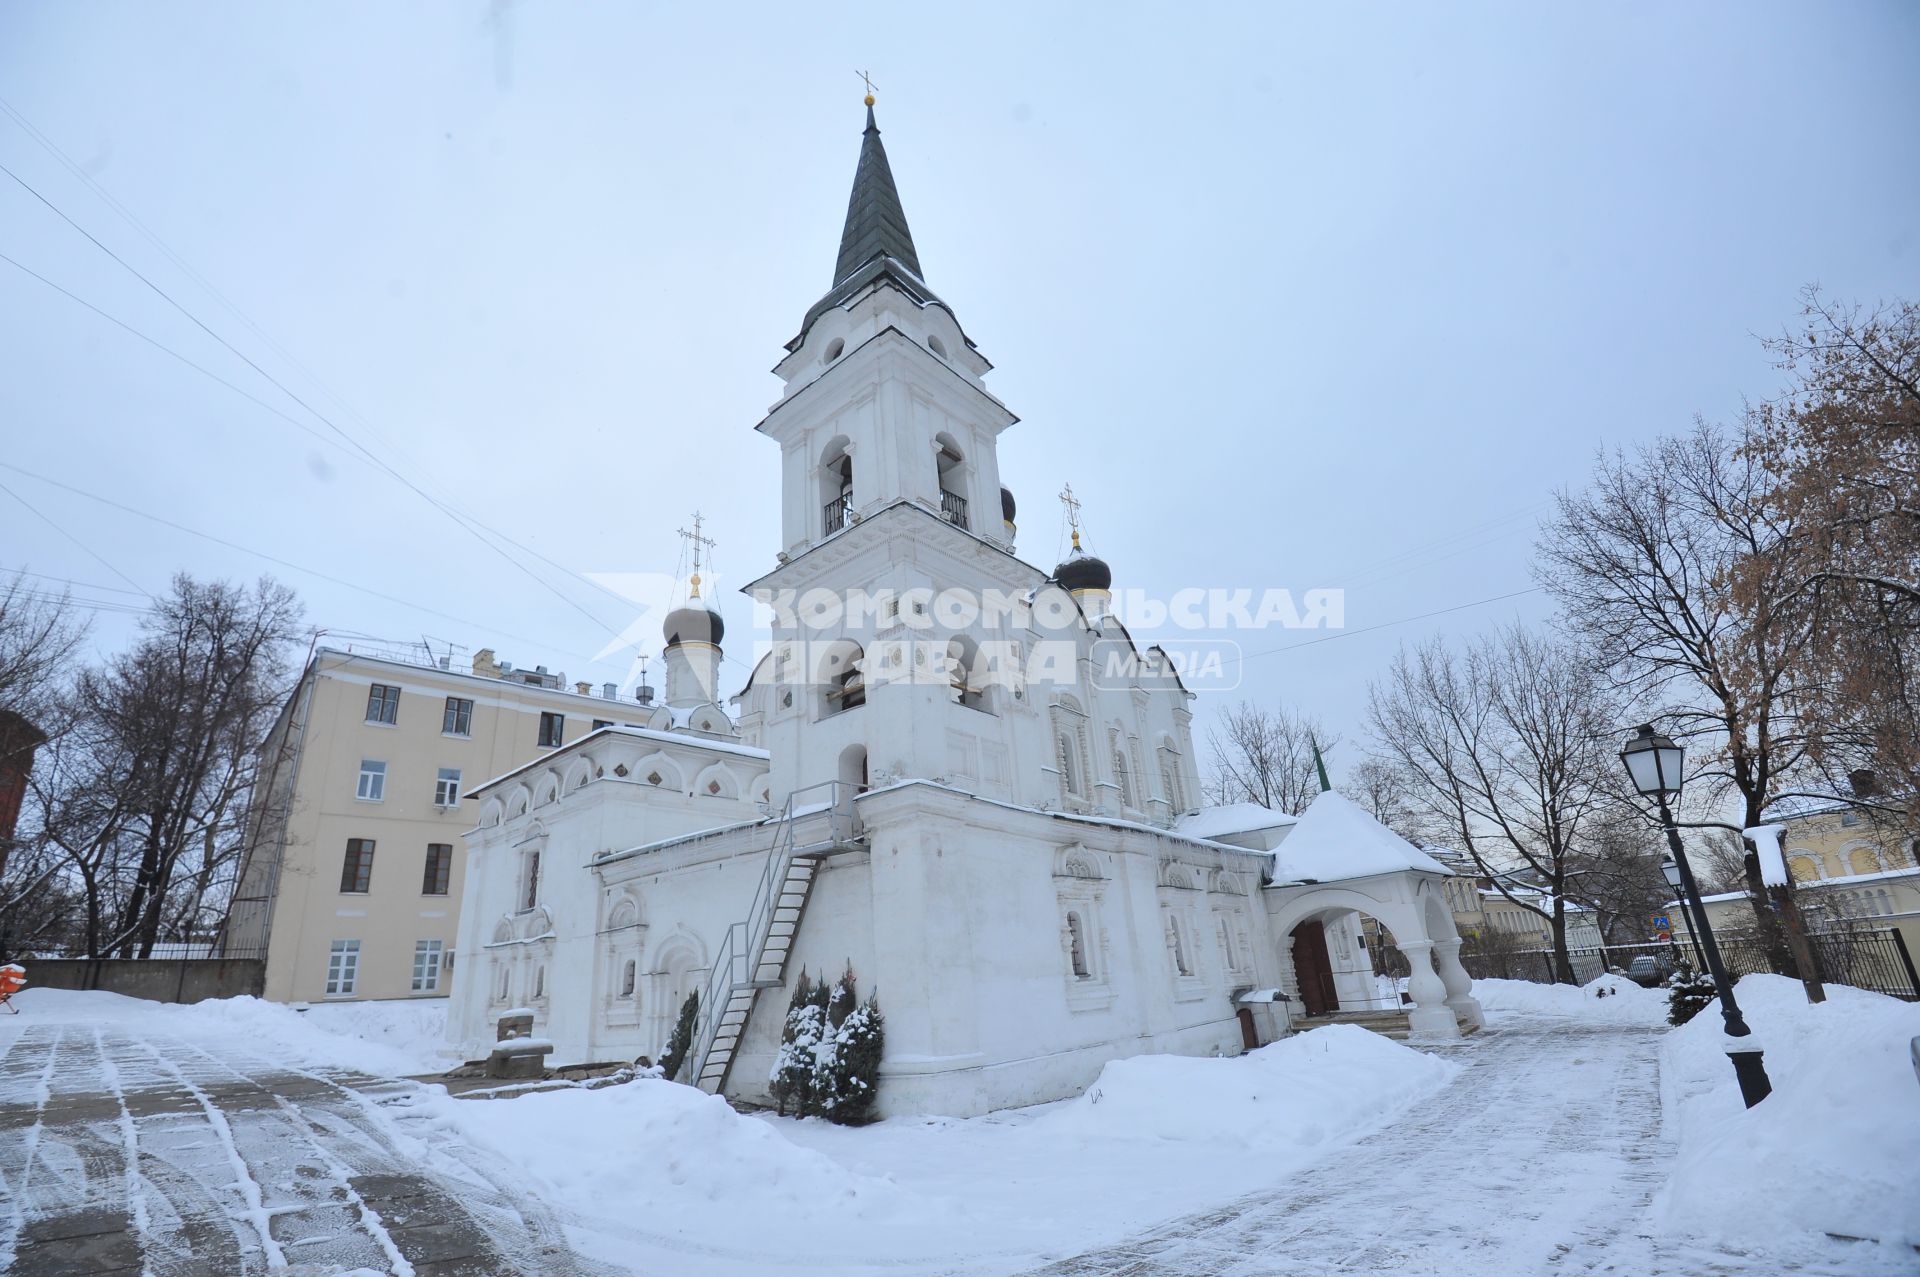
1660	923
1664	935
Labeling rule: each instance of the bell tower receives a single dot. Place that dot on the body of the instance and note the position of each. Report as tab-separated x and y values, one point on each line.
890	490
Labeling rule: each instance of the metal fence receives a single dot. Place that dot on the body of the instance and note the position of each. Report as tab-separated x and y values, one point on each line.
1866	959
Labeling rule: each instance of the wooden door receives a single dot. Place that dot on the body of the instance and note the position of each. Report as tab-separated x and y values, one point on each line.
1314	969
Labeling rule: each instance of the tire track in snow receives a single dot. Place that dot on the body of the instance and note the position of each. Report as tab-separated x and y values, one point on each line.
130	1141
16	1191
244	1181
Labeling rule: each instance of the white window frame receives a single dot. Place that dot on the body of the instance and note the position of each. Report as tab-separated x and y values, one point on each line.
428	959
446	788
372	787
343	968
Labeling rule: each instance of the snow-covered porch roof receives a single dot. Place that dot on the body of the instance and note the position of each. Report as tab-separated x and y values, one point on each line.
1334	840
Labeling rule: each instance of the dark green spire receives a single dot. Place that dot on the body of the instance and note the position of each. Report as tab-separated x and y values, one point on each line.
1319	764
876	224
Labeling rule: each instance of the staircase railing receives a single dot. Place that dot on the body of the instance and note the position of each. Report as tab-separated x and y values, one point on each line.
741	951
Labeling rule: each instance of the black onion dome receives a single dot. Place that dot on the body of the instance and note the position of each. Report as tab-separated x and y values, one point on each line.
1082	571
695	625
1006	505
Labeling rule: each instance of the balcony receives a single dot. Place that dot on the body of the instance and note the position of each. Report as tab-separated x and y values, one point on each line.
954	507
836	516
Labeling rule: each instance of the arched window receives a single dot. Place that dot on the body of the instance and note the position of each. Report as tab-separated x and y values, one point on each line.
836	485
539	982
853	767
1177	942
504	987
1077	946
969	680
1123	777
839	675
1803	868
530	880
629	974
1069	772
1864	860
951	465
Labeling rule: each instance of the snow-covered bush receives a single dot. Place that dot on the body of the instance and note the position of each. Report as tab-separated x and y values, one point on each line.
856	1068
1688	994
791	1081
681	1038
829	1059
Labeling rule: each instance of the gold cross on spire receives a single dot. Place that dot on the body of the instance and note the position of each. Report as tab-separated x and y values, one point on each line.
868	81
1072	503
697	541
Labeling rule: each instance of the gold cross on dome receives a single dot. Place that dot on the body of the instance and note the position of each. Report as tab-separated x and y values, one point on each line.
1072	504
697	541
868	81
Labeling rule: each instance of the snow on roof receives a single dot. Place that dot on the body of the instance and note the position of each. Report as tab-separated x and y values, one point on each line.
1234	818
684	740
1335	839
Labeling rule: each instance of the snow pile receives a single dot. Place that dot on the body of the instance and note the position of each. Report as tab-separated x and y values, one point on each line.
1624	1002
1299	1092
699	1168
1832	1150
396	1039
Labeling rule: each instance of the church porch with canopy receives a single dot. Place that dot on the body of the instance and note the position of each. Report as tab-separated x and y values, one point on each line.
1337	864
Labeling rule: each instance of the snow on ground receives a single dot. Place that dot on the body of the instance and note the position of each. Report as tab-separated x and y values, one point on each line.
397	1039
1834	1149
1624	1002
1154	1137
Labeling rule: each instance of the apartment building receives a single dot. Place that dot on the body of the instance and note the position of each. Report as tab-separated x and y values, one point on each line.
351	888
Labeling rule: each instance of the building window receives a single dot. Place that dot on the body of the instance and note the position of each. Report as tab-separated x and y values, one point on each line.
552	727
1069	772
373	781
504	989
343	967
439	869
628	975
1077	947
598	723
446	788
531	895
383	704
1177	945
426	966
356	874
458	719
539	983
1123	777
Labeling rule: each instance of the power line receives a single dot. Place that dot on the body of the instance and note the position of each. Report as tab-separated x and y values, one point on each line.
437	504
285	563
69	536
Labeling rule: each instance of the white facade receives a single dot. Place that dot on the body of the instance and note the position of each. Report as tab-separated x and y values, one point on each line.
944	773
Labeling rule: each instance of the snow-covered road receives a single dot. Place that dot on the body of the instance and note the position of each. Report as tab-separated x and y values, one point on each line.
145	1152
1542	1156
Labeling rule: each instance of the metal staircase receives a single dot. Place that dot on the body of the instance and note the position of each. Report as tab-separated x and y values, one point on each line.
753	956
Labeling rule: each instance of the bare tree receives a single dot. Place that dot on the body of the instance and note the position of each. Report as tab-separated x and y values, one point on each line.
1265	756
1668	565
1381	790
1504	749
144	794
38	638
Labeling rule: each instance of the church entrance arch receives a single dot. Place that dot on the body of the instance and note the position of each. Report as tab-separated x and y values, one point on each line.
1333	963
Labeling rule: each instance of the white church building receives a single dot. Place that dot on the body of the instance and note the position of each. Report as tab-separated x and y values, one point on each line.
955	772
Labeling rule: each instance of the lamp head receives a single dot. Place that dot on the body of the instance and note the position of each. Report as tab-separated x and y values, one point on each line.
1653	762
1670	870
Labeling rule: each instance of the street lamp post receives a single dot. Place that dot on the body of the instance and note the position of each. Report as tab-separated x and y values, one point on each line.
1654	763
1670	870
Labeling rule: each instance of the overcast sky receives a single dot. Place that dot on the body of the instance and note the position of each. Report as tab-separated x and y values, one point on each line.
1296	297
